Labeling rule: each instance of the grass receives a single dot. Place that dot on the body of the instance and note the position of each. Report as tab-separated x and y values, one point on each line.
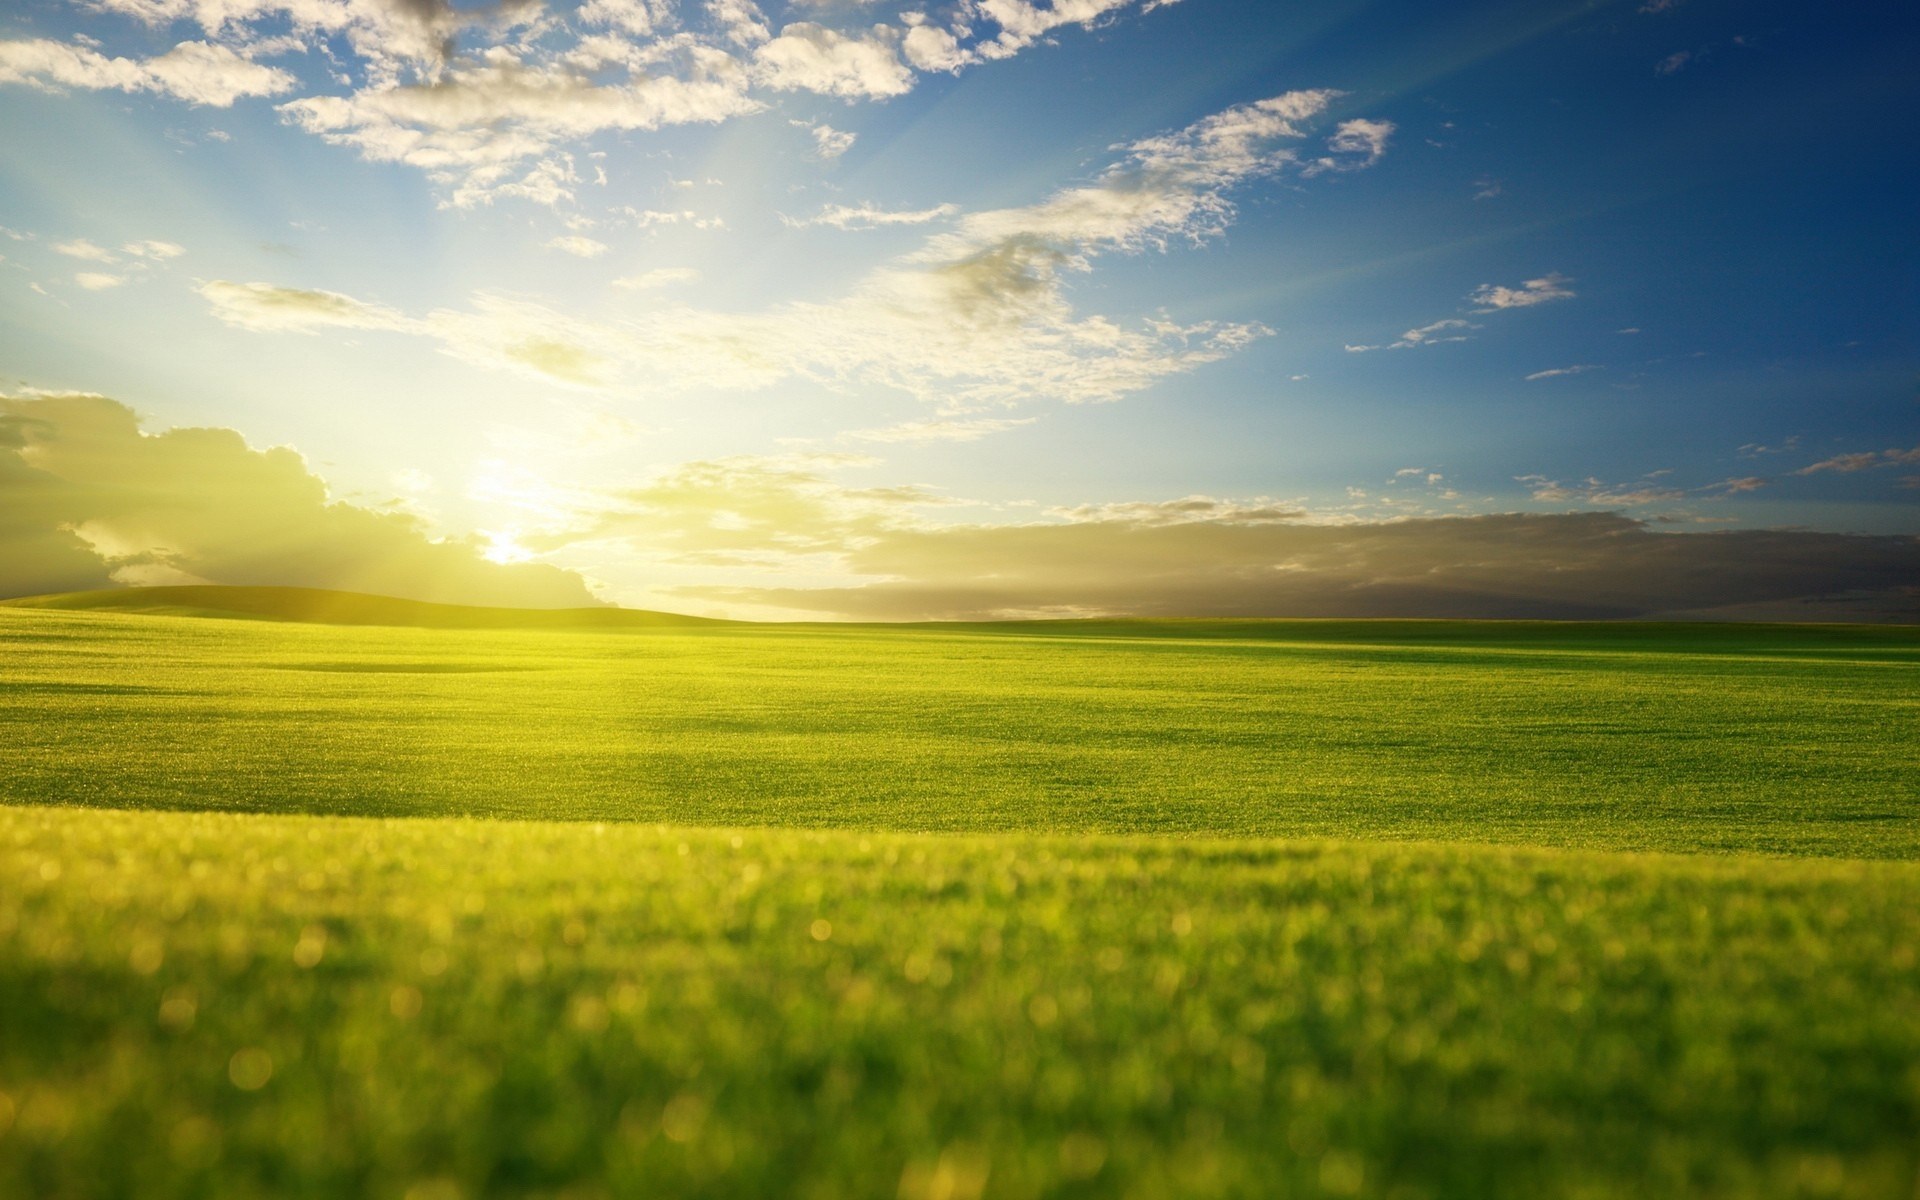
1399	909
1658	738
220	1005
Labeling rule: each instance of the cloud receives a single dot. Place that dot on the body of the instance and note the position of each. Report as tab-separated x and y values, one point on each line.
1426	335
153	249
266	308
82	248
473	126
492	99
650	217
659	277
1356	144
1594	492
98	281
831	143
1848	463
87	500
1673	63
1207	556
868	216
813	58
579	247
195	72
1549	287
1556	372
978	317
939	431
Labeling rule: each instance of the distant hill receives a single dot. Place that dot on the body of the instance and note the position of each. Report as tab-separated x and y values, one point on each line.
320	606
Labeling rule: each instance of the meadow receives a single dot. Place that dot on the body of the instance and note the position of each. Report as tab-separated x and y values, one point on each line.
1102	909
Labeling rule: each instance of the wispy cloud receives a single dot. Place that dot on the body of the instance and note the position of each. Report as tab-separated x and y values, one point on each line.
578	246
1864	461
1438	333
1555	372
955	430
659	277
978	317
869	216
1495	297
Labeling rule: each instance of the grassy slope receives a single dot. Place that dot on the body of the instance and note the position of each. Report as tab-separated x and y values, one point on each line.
575	1009
266	1006
320	606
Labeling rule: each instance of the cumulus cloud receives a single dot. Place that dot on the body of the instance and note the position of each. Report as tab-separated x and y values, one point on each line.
1494	297
196	72
88	500
1210	556
474	126
813	58
491	99
978	317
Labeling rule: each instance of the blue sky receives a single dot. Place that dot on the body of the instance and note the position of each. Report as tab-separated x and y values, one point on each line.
721	307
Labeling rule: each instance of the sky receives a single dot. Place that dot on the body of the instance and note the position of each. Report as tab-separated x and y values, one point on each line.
838	309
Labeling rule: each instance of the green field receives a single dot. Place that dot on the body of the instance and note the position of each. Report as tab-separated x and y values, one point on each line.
1392	909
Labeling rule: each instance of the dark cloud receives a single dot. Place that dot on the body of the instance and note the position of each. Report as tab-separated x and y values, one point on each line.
87	500
1581	565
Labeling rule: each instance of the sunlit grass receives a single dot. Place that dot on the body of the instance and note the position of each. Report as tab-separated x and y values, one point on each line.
205	1004
1788	741
936	914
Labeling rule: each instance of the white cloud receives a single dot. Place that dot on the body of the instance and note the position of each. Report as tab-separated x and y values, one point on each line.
659	277
1439	332
156	250
1356	145
813	58
578	246
473	126
97	281
196	72
82	248
868	216
978	317
647	218
1673	63
263	307
830	143
640	18
1549	287
1555	372
490	100
939	431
